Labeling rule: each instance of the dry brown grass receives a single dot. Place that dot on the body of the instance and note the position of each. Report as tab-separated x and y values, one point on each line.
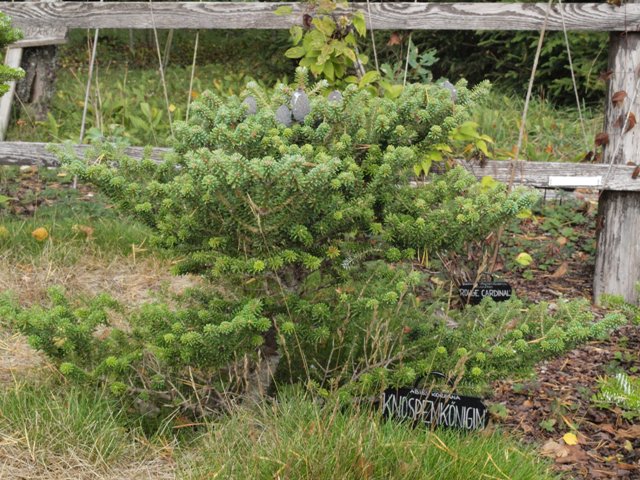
18	359
130	281
17	463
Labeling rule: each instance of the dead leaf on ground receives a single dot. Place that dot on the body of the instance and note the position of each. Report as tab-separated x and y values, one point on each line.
633	432
575	454
561	271
88	231
570	438
554	449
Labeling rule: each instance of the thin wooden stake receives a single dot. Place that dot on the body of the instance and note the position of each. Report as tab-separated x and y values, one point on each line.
164	83
193	74
87	90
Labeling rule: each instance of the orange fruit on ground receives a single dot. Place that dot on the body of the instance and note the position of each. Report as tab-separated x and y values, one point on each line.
40	234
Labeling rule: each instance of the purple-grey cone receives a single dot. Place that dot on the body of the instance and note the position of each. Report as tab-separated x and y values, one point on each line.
335	96
252	105
283	116
300	105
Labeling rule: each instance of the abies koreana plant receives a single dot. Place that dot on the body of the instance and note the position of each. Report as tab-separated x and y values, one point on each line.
299	205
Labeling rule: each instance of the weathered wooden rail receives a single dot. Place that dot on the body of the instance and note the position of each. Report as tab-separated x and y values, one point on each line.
39	154
394	16
618	256
550	175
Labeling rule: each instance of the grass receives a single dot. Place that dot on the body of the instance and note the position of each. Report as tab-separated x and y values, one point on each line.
52	430
70	433
127	97
78	222
51	421
297	438
89	248
553	134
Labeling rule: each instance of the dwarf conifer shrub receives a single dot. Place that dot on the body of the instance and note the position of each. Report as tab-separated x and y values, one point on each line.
300	206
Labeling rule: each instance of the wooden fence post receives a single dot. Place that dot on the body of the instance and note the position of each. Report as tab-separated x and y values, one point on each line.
618	232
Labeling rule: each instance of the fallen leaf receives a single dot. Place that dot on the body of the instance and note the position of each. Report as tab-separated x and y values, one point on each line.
28	169
575	455
553	449
88	231
633	432
40	234
636	172
618	97
602	138
524	259
561	271
607	427
570	438
549	148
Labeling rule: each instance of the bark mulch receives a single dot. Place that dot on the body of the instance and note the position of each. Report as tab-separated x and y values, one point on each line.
558	400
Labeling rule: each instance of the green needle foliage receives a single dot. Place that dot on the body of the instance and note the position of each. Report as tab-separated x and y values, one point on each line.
298	205
622	391
8	35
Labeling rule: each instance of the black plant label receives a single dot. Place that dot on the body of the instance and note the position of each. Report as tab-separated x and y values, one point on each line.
434	409
498	291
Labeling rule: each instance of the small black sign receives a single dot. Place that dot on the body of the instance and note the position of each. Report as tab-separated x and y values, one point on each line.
499	291
433	409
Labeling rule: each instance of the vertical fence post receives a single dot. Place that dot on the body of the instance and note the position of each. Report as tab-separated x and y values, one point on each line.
618	231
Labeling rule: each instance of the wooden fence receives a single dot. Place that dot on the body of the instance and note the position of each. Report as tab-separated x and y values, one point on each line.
618	257
382	16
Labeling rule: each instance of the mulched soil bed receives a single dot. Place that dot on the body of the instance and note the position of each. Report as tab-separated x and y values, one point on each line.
608	445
